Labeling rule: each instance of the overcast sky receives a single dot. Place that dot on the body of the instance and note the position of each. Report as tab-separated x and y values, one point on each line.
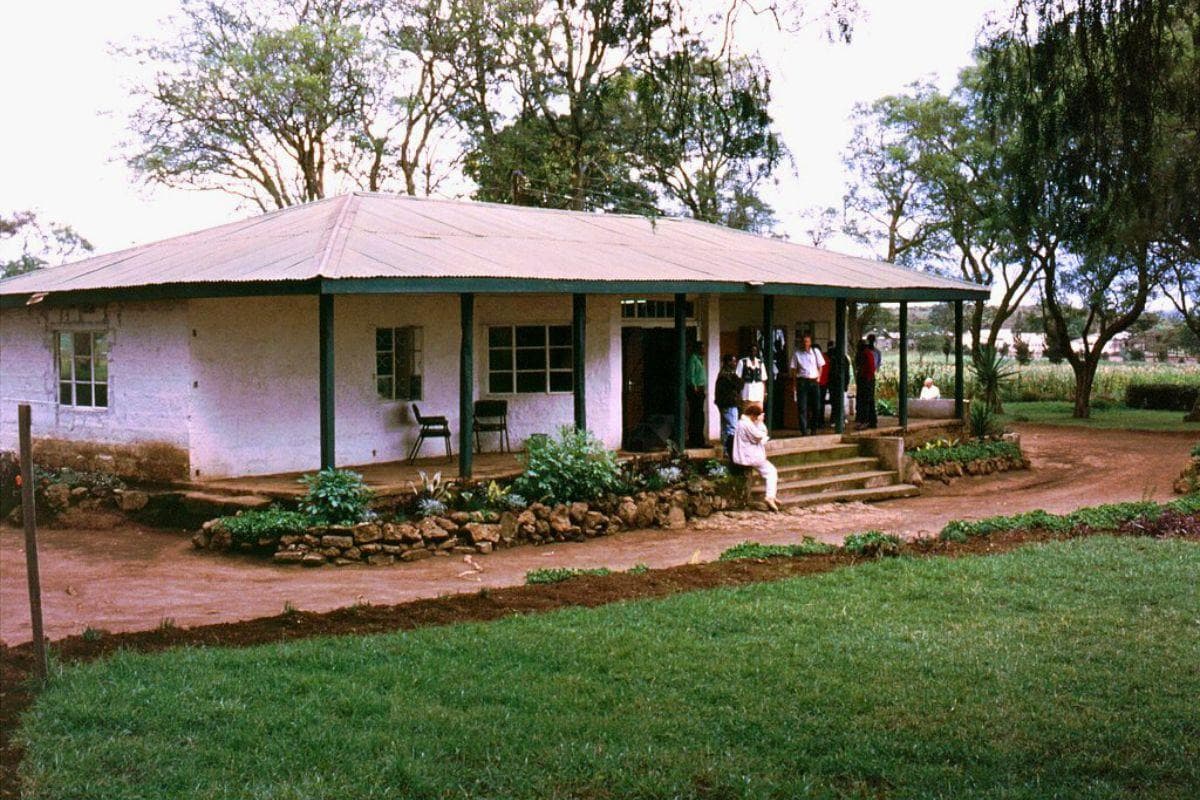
66	99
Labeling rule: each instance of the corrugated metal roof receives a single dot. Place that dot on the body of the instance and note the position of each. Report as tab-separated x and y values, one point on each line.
365	235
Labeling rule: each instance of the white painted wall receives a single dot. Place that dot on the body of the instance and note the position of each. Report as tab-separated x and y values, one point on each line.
148	373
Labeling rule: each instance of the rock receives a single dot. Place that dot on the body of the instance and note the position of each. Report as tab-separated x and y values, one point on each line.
675	517
577	512
56	497
311	540
646	511
381	559
460	518
449	544
484	547
352	553
369	549
594	521
443	553
200	540
312	560
560	519
431	531
391	549
290	557
331	552
446	524
367	532
627	512
344	562
509	525
340	542
132	500
415	555
79	491
539	510
527	521
408	533
483	532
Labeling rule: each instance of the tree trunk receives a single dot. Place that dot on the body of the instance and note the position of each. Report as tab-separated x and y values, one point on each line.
1194	414
1085	376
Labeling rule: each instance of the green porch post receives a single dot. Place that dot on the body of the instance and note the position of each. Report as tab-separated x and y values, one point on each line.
902	393
838	391
326	379
466	384
578	359
681	370
768	355
958	359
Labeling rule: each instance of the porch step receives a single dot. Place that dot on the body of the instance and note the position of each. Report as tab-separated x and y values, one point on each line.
869	479
893	492
819	469
813	455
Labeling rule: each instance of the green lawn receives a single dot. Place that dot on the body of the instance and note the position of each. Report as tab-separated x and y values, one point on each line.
1114	418
1064	670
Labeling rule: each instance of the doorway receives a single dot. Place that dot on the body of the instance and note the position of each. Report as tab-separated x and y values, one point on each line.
648	368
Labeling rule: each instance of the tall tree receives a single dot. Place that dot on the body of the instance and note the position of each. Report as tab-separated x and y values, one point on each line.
27	243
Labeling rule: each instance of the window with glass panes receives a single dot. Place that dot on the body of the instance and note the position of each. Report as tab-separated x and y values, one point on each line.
526	359
82	368
398	363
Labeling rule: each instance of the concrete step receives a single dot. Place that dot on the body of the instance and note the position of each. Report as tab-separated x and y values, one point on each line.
817	469
863	479
837	452
795	444
895	491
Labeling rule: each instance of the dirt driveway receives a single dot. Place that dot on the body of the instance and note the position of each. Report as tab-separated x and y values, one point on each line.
134	578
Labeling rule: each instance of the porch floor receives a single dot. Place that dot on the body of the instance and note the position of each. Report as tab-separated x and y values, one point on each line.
392	478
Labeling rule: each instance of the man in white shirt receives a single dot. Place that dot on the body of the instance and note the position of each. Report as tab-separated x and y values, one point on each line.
806	369
929	391
753	373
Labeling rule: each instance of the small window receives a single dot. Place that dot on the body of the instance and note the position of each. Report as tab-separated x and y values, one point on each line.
398	363
530	359
653	309
82	358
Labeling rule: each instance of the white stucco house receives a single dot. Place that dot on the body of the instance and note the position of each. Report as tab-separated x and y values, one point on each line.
301	337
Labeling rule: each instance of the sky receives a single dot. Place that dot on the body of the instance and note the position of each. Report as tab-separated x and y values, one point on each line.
67	97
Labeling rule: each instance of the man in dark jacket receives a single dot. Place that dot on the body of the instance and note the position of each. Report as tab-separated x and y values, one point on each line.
726	395
864	369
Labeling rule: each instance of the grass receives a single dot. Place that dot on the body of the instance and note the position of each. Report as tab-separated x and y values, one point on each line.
1063	670
1112	418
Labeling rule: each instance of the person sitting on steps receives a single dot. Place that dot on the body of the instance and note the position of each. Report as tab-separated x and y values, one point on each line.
750	450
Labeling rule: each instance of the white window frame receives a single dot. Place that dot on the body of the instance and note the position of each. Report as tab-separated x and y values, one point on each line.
513	349
415	366
72	379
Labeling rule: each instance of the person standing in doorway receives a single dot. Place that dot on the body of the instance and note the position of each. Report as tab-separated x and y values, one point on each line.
697	389
727	394
864	368
823	385
753	373
807	362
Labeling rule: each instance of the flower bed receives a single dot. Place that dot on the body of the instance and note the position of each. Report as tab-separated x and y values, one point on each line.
944	460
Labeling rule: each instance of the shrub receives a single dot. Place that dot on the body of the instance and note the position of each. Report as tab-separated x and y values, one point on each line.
670	474
1095	518
964	453
1169	523
573	466
1162	396
872	544
885	408
252	527
993	374
983	421
1196	450
560	574
335	497
430	507
809	547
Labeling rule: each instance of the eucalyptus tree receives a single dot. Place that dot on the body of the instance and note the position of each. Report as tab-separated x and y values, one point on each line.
28	243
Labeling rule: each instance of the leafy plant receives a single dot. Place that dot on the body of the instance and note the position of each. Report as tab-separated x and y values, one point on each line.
983	422
560	574
335	497
872	544
885	408
715	469
433	487
513	502
993	373
670	474
91	634
941	453
430	507
251	527
575	465
1196	450
809	547
1169	523
1106	517
638	569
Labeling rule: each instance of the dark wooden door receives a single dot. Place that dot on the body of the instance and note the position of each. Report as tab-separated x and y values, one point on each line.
633	376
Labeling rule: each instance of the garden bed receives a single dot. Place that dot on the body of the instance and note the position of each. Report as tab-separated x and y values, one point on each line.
945	460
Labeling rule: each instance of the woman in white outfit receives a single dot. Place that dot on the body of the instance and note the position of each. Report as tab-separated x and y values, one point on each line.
750	450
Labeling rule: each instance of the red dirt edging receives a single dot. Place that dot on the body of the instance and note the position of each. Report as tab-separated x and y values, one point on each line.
17	691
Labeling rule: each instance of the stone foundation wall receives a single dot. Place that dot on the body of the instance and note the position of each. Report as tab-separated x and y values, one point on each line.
462	532
148	462
948	470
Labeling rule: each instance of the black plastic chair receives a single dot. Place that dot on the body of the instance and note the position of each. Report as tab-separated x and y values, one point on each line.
491	416
431	428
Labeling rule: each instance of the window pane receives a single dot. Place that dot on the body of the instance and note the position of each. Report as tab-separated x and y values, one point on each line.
383	364
383	338
100	344
560	335
531	359
500	359
384	387
83	394
560	381
500	336
531	381
560	358
100	368
64	366
64	394
414	388
101	396
531	336
83	344
83	368
500	383
64	345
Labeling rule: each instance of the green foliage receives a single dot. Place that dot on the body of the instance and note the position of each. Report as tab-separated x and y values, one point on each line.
251	527
1196	450
873	544
885	408
1162	396
27	243
964	453
983	421
809	547
335	497
91	634
638	569
560	574
993	374
1106	517
575	465
1113	418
